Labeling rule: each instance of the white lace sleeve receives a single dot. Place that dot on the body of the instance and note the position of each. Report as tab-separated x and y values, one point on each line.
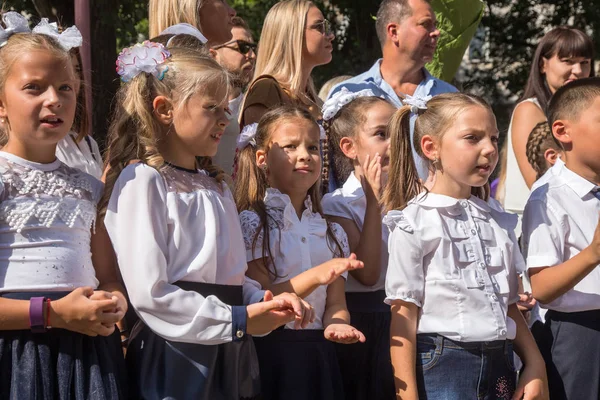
342	238
250	222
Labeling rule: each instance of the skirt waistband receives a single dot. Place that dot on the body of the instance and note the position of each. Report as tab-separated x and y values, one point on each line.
441	342
28	295
228	294
576	317
367	302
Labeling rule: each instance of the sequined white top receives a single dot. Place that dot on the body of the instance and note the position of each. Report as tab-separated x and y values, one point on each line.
457	260
172	226
46	216
296	244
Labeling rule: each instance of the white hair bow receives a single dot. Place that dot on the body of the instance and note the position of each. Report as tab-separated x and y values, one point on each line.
333	105
247	136
146	57
68	39
416	103
15	23
184	29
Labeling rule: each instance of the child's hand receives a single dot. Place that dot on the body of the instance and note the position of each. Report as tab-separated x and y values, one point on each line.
371	179
595	245
274	312
526	302
329	271
532	384
119	310
78	312
343	333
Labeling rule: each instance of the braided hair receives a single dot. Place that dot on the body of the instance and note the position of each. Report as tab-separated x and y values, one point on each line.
540	139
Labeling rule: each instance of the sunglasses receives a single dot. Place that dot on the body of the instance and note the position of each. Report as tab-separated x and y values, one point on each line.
242	47
324	27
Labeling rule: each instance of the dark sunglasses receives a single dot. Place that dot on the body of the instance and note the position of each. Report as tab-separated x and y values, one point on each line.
324	27
242	47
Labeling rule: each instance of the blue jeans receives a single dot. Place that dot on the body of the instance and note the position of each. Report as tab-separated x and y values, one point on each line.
452	370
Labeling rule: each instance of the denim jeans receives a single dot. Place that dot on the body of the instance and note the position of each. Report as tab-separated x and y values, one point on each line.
452	370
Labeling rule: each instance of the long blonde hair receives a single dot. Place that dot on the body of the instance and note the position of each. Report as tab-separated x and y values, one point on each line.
403	180
165	13
281	46
251	182
134	131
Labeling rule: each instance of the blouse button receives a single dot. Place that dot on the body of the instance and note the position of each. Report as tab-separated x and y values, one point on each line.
463	204
481	265
503	332
473	232
239	334
303	239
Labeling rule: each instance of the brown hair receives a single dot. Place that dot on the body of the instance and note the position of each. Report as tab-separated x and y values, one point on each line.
81	124
344	124
134	132
573	98
22	43
403	180
251	182
391	11
540	139
238	22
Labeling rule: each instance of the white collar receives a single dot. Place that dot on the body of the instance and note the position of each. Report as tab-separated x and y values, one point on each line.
577	183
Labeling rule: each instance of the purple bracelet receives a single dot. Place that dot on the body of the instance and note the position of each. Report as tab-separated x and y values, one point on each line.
36	314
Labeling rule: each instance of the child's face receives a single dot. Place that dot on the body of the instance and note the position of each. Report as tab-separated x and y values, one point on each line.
468	152
39	99
372	135
584	135
200	123
293	160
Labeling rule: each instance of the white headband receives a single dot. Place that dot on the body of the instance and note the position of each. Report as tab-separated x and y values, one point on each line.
68	39
184	29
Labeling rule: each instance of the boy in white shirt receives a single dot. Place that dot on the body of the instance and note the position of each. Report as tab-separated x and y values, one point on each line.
561	242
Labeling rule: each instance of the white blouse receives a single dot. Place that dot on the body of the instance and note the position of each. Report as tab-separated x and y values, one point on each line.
84	156
296	244
172	226
46	216
559	221
458	261
350	202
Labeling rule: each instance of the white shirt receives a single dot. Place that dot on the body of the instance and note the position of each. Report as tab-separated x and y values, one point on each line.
559	221
457	260
296	245
84	156
226	151
516	191
172	226
46	217
350	202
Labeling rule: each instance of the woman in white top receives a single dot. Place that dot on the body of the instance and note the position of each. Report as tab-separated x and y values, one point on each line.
563	54
291	247
176	235
356	125
453	261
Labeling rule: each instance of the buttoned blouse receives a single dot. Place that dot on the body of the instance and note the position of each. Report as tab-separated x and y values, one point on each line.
559	221
457	260
167	226
350	202
296	244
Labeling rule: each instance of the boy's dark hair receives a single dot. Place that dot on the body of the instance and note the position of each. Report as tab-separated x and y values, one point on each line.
573	98
238	22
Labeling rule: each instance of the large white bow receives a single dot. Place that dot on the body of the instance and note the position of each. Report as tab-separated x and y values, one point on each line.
15	23
68	39
247	136
146	57
340	99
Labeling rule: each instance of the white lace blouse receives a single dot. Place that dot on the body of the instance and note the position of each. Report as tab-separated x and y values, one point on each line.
46	216
84	155
296	244
172	226
458	261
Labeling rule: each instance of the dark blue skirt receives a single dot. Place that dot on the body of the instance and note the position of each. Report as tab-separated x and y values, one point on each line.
60	364
367	367
298	365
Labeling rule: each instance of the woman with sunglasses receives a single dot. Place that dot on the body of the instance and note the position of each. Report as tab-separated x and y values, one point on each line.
295	39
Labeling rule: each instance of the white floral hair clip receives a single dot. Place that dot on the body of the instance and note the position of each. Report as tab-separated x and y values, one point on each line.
14	23
184	29
68	39
416	103
247	136
334	104
146	57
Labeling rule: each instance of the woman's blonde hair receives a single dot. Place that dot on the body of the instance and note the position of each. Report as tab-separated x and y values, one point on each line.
403	180
134	132
251	182
165	13
23	43
281	44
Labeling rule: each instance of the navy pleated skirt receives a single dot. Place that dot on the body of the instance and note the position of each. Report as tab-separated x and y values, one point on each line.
60	364
367	367
298	365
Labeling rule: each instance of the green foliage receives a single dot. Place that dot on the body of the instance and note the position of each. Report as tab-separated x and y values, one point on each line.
131	23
